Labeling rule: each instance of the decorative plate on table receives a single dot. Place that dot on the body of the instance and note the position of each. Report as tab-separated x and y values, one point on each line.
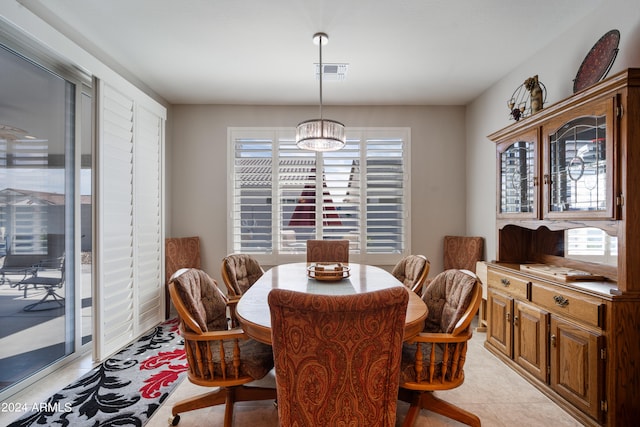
328	272
598	61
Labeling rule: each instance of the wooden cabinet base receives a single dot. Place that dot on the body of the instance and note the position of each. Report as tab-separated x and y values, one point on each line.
544	389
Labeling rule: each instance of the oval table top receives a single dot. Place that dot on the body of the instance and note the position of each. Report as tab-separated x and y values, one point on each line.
253	309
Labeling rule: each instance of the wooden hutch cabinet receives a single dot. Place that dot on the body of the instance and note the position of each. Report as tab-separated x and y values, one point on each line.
563	297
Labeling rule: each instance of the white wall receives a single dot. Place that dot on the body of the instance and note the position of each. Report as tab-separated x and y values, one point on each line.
556	66
198	159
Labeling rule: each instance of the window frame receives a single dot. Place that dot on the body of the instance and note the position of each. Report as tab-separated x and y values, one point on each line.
275	255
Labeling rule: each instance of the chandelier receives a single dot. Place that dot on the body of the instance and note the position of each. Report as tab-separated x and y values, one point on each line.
320	134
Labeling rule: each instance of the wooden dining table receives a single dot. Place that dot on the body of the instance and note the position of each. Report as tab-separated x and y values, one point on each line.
253	313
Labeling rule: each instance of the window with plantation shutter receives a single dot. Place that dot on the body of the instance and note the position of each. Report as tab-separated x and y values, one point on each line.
130	298
149	243
116	319
281	196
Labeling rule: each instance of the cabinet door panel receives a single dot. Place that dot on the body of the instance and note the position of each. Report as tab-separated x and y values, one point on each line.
576	368
530	339
500	328
518	177
578	163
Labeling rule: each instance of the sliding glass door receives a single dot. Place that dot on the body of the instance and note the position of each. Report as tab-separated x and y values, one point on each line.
45	217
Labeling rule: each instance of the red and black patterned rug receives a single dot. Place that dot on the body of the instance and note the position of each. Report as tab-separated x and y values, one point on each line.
125	390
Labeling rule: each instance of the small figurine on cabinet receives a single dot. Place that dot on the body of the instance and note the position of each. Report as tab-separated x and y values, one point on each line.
527	99
535	93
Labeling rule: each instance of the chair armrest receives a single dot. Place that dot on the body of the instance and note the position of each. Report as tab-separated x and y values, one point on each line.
232	303
233	300
436	337
214	335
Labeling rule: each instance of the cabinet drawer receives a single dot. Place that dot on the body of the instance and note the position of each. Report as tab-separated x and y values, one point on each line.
573	304
513	285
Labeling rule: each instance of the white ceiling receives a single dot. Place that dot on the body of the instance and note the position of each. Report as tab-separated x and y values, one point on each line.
402	52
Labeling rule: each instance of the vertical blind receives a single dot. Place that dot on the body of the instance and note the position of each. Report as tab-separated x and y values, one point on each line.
280	196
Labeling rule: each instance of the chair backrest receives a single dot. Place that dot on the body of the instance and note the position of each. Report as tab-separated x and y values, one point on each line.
200	304
337	358
448	298
462	252
181	252
239	272
412	270
328	250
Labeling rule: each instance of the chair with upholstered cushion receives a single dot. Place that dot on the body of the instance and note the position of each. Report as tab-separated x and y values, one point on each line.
217	356
239	272
179	252
435	358
412	270
328	250
337	357
462	252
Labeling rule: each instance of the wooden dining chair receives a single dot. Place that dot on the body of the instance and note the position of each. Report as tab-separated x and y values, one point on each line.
218	357
328	250
435	358
462	252
337	357
412	271
179	252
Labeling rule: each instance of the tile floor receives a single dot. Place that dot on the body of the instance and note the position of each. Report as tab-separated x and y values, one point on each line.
491	390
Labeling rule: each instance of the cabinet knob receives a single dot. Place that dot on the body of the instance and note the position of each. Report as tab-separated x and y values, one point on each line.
508	316
515	320
505	282
560	300
546	179
553	340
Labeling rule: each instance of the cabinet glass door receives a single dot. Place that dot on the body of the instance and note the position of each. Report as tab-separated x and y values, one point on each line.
579	159
518	179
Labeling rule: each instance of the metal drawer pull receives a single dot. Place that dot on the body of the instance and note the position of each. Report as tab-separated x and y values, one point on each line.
505	282
560	300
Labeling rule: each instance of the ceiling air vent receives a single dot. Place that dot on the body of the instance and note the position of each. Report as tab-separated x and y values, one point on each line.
332	72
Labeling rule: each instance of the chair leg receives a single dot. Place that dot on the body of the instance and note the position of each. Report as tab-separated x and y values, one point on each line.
427	400
55	298
413	398
227	396
213	398
228	409
430	402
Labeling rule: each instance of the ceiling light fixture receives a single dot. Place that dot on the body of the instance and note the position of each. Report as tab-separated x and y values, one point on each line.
320	134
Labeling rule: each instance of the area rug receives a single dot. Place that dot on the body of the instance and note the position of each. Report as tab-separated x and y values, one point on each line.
125	390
